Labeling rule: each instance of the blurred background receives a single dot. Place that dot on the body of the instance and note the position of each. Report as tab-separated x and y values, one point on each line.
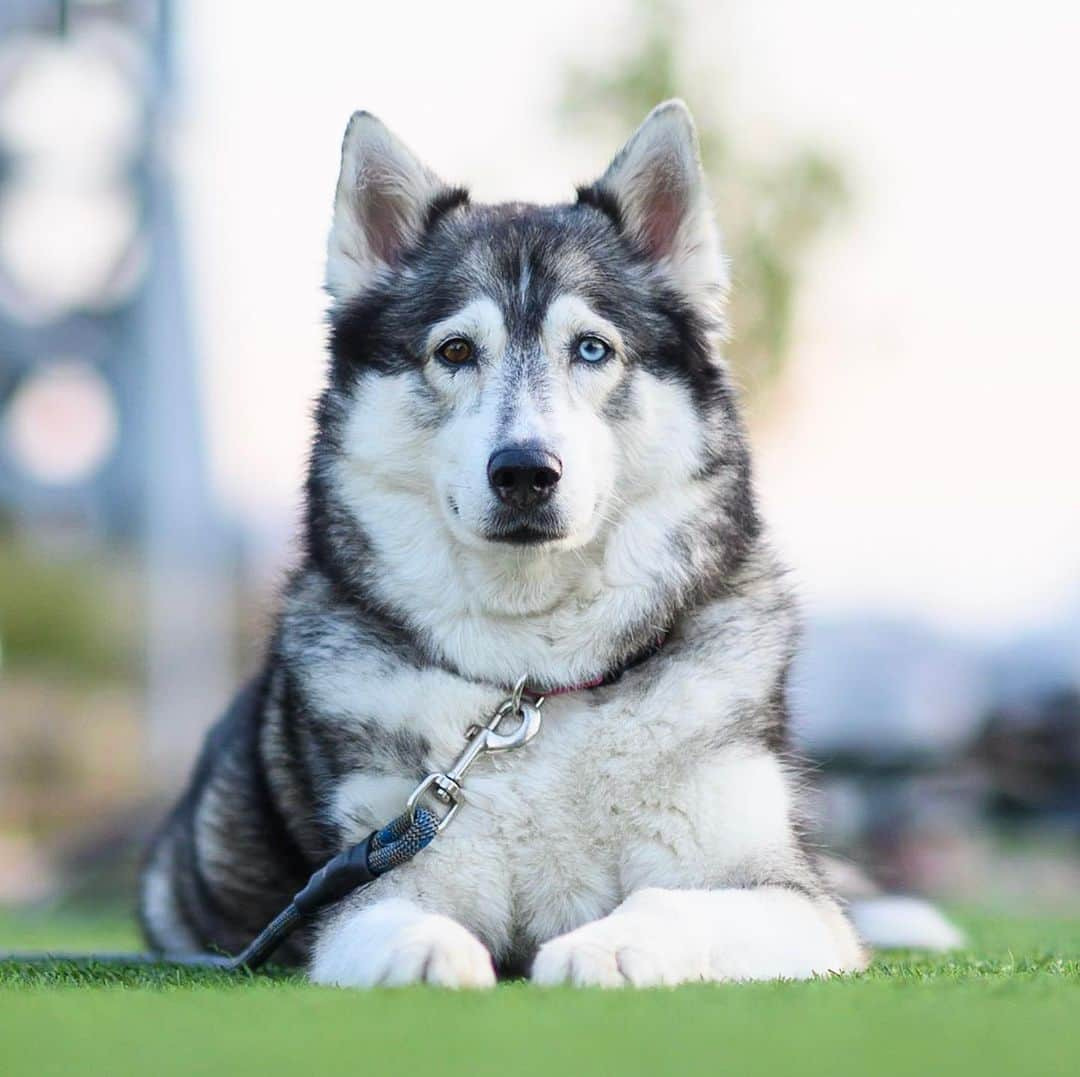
897	184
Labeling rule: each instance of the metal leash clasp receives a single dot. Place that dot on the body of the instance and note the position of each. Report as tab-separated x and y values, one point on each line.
447	787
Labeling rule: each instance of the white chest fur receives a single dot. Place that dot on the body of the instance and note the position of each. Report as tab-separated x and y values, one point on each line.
647	783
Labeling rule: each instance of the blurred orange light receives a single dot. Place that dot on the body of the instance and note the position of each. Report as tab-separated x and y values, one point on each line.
61	423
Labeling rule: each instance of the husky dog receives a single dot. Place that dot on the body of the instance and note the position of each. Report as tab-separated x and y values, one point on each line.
528	460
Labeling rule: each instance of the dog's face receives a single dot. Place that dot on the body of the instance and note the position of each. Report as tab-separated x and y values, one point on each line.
517	377
520	373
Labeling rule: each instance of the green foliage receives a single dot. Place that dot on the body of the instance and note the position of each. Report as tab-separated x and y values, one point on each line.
67	616
770	212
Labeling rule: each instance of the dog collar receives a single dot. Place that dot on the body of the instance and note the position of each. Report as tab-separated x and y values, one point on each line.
611	676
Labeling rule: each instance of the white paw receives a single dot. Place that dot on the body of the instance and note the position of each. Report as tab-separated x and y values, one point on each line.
395	943
907	922
620	950
667	937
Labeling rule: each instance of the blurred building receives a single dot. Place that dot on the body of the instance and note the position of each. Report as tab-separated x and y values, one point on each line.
102	454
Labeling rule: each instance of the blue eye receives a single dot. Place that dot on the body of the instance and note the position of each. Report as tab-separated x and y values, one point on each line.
593	349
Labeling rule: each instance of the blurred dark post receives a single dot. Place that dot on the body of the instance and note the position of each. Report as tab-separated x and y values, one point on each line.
103	444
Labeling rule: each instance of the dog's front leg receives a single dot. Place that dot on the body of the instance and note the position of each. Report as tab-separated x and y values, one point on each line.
666	937
394	942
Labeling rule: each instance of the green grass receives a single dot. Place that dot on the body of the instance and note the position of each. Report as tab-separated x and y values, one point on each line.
1010	1004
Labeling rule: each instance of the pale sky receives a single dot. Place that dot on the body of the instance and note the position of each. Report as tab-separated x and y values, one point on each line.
923	458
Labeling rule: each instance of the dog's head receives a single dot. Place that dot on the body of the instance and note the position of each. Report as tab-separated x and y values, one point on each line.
520	379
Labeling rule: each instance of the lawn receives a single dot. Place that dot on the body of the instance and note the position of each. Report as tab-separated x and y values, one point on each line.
1010	1004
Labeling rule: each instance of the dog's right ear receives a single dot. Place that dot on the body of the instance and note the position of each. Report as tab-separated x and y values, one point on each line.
384	197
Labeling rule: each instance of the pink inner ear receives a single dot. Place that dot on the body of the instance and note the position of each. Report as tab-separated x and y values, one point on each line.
385	223
663	214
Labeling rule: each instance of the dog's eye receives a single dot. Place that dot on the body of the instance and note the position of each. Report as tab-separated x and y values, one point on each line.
455	351
593	349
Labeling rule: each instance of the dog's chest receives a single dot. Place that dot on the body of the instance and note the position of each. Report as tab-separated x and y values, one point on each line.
556	833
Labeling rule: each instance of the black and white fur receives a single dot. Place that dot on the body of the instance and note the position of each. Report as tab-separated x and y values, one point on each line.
650	834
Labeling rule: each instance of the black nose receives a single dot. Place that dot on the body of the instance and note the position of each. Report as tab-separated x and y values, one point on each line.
524	476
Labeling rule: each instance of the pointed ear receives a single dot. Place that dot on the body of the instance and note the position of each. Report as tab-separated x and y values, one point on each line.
384	197
656	187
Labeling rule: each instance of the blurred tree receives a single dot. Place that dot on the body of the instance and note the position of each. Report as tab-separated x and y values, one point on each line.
74	616
770	213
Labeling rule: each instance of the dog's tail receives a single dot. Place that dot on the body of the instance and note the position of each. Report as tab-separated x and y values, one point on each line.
890	921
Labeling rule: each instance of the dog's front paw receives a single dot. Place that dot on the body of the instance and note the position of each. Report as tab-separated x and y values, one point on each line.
395	943
665	937
618	951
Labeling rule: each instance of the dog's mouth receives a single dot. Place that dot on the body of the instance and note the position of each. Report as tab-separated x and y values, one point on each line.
525	535
525	528
503	525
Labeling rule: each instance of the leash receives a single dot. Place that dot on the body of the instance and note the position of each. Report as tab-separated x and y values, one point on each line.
359	865
380	852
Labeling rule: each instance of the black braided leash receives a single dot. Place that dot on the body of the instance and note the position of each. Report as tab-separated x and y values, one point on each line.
380	852
359	865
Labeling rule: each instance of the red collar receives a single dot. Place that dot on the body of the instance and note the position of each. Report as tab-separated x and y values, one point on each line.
566	689
612	675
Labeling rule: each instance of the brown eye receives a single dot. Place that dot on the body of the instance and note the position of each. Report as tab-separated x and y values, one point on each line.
455	351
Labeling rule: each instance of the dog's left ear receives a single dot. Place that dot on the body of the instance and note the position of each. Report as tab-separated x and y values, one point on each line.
661	201
384	198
